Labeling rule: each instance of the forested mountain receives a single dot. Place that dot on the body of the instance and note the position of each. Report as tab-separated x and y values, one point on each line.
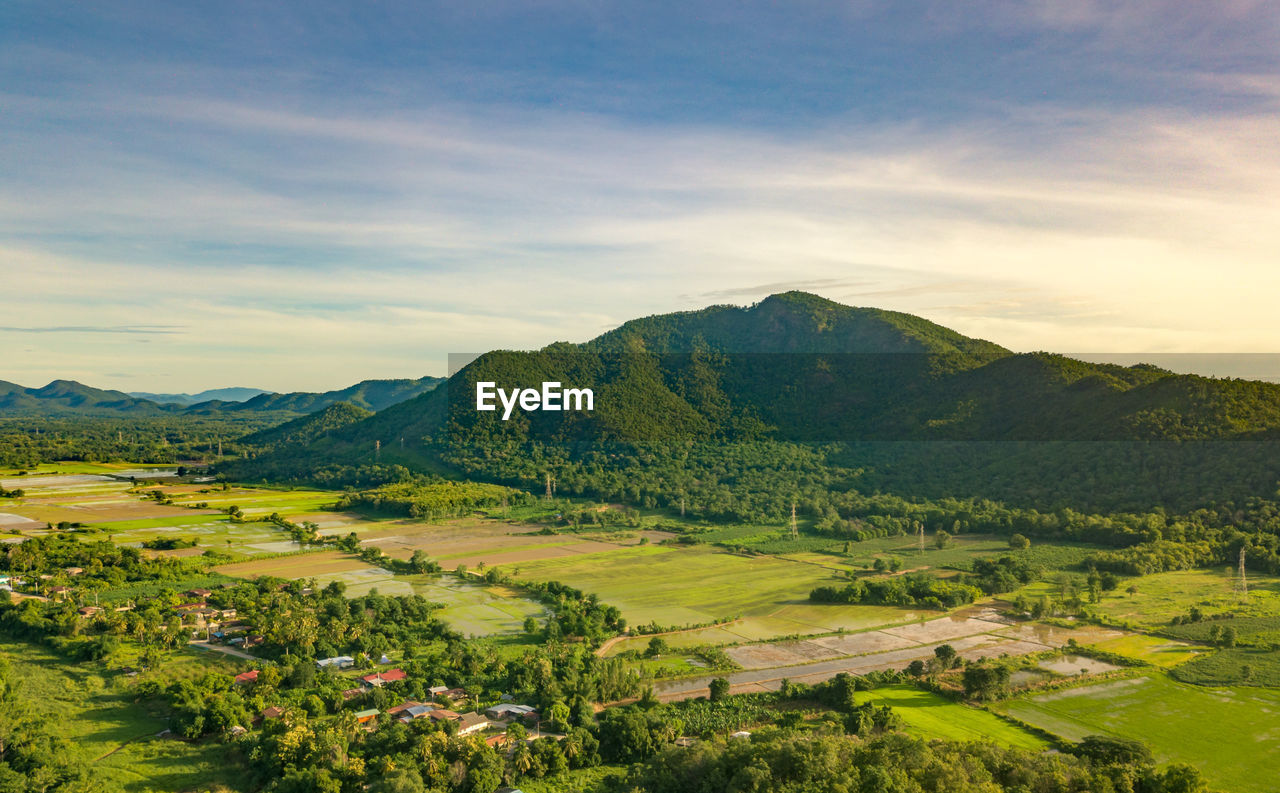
67	397
704	400
309	427
218	394
367	394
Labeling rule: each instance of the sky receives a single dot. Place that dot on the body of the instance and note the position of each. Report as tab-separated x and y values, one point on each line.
298	196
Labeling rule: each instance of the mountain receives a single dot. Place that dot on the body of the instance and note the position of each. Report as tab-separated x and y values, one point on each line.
368	394
308	428
218	394
68	397
798	368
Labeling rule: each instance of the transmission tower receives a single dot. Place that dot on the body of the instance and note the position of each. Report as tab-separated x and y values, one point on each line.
682	506
795	532
377	451
920	534
550	485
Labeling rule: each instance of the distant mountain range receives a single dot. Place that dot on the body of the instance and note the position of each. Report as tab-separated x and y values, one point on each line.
213	394
68	397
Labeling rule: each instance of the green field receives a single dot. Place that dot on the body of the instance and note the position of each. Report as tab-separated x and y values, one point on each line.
1230	734
676	585
1152	649
935	717
1163	596
115	736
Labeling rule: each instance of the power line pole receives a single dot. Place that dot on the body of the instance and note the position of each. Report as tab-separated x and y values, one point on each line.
377	451
920	532
1244	584
795	532
682	506
548	494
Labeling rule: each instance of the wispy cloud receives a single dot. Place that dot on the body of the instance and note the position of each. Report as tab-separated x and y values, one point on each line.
128	329
1042	183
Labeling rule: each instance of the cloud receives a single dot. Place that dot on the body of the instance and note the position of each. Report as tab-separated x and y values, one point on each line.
309	220
129	329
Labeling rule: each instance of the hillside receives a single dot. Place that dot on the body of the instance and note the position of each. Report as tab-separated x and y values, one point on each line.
234	394
306	429
798	368
68	397
367	394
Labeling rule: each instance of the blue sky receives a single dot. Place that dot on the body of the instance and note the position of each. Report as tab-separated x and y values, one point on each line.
301	195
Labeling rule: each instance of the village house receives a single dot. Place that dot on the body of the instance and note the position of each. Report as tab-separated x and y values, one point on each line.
508	711
246	677
367	716
402	707
351	693
416	712
337	662
471	722
379	679
442	715
75	571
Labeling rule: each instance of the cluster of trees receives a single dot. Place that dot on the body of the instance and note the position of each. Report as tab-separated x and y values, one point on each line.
789	762
912	589
105	565
575	614
434	500
26	442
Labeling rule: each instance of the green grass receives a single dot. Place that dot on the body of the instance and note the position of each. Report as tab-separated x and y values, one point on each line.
1163	596
935	717
682	585
676	586
1151	649
1249	630
1230	734
115	736
1238	666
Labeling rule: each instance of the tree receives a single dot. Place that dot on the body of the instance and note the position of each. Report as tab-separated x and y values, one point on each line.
985	681
1228	636
1019	542
946	655
941	539
657	646
719	689
1113	751
399	780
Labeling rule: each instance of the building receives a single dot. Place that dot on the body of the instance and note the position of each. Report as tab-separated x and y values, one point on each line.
337	662
247	677
273	712
75	571
508	711
351	693
402	707
416	712
199	594
88	611
471	722
380	679
442	714
366	716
